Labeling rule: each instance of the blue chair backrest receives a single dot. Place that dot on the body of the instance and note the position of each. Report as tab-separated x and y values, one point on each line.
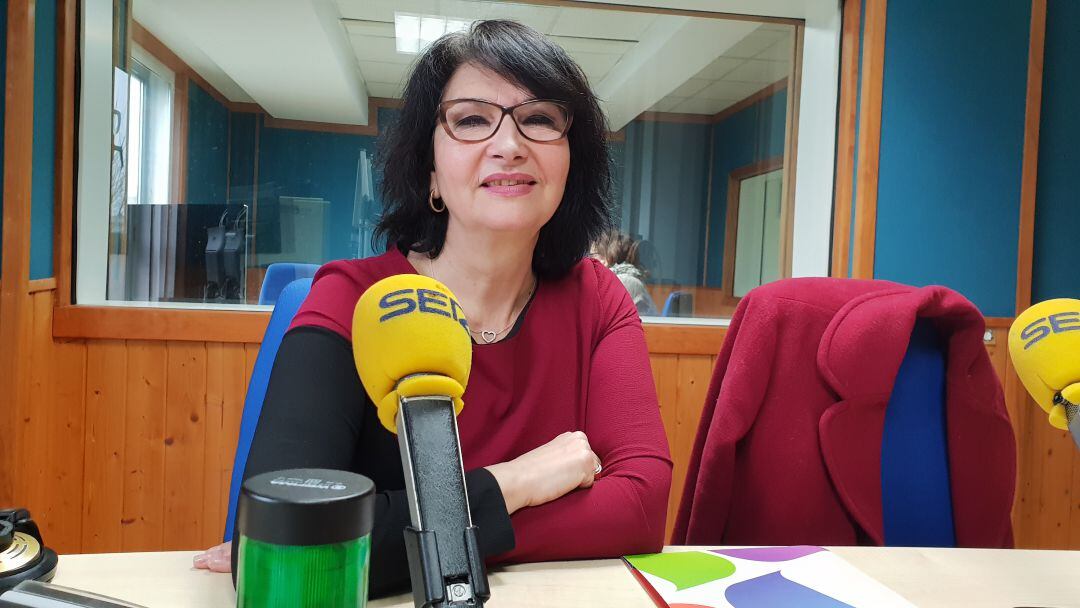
678	304
280	274
915	492
288	302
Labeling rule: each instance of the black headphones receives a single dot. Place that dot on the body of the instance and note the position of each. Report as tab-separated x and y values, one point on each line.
22	554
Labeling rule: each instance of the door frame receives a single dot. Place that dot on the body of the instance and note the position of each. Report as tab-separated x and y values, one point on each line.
735	179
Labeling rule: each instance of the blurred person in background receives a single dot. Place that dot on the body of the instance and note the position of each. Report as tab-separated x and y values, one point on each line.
620	253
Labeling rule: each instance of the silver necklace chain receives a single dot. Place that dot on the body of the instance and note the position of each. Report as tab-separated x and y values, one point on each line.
487	335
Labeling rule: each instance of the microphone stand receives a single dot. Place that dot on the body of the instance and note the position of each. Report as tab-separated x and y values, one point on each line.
445	564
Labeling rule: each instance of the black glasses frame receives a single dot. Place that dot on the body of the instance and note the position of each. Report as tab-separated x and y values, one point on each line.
449	103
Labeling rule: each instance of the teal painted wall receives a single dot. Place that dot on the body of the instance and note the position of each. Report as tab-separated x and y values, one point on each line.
297	163
952	131
749	136
662	184
44	148
207	147
664	162
314	164
1057	208
241	157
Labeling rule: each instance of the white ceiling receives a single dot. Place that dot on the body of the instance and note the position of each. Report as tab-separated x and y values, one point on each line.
319	60
292	57
757	61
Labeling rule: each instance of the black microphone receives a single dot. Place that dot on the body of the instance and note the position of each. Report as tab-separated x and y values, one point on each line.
413	352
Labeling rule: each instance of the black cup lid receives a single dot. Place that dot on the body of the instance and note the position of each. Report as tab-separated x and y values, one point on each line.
306	507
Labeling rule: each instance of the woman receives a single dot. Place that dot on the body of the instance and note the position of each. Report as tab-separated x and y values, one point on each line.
619	252
496	180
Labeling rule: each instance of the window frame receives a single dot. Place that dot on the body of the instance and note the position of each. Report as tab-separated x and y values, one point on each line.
153	64
811	144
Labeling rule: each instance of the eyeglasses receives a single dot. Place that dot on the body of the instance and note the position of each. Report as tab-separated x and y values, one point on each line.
474	120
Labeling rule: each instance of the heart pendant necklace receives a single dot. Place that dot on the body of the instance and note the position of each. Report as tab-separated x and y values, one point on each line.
487	335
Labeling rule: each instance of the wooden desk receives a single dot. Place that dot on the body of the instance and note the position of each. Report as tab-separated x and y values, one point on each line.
927	577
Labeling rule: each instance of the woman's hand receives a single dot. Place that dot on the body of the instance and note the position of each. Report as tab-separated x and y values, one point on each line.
215	559
558	467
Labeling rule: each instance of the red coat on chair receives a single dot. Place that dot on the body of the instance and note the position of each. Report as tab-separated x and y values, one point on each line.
788	450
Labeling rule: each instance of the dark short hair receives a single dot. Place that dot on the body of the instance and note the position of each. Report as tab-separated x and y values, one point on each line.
618	248
530	60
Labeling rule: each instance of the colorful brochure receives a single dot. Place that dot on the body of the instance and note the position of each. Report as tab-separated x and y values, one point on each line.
752	577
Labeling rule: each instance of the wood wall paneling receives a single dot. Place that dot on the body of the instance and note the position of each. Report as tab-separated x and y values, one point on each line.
144	447
65	149
125	423
684	339
34	418
709	302
106	421
791	156
845	137
178	170
691	385
184	443
66	431
665	373
1047	507
213	427
1074	516
869	140
681	385
15	305
107	322
1029	174
135	470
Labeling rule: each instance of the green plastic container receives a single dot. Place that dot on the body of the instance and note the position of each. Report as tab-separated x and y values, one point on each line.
305	539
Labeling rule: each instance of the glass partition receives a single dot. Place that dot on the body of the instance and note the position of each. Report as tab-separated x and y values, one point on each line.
245	140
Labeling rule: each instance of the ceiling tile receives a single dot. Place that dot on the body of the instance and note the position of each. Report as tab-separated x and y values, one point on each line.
540	18
755	42
666	104
595	65
384	89
779	27
781	50
701	106
718	68
591	23
366	9
370	48
725	89
592	45
375	71
690	87
759	72
361	28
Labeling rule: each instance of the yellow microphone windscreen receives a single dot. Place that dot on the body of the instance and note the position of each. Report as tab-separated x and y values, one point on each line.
410	339
1044	343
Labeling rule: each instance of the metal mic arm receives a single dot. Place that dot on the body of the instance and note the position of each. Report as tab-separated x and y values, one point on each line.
445	564
1072	415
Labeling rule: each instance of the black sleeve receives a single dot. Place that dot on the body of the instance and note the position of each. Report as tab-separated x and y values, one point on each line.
316	414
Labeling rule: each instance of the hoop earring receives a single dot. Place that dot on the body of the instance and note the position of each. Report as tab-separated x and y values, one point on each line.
431	203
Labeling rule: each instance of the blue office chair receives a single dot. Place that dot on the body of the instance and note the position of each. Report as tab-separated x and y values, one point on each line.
288	302
915	490
280	274
678	304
